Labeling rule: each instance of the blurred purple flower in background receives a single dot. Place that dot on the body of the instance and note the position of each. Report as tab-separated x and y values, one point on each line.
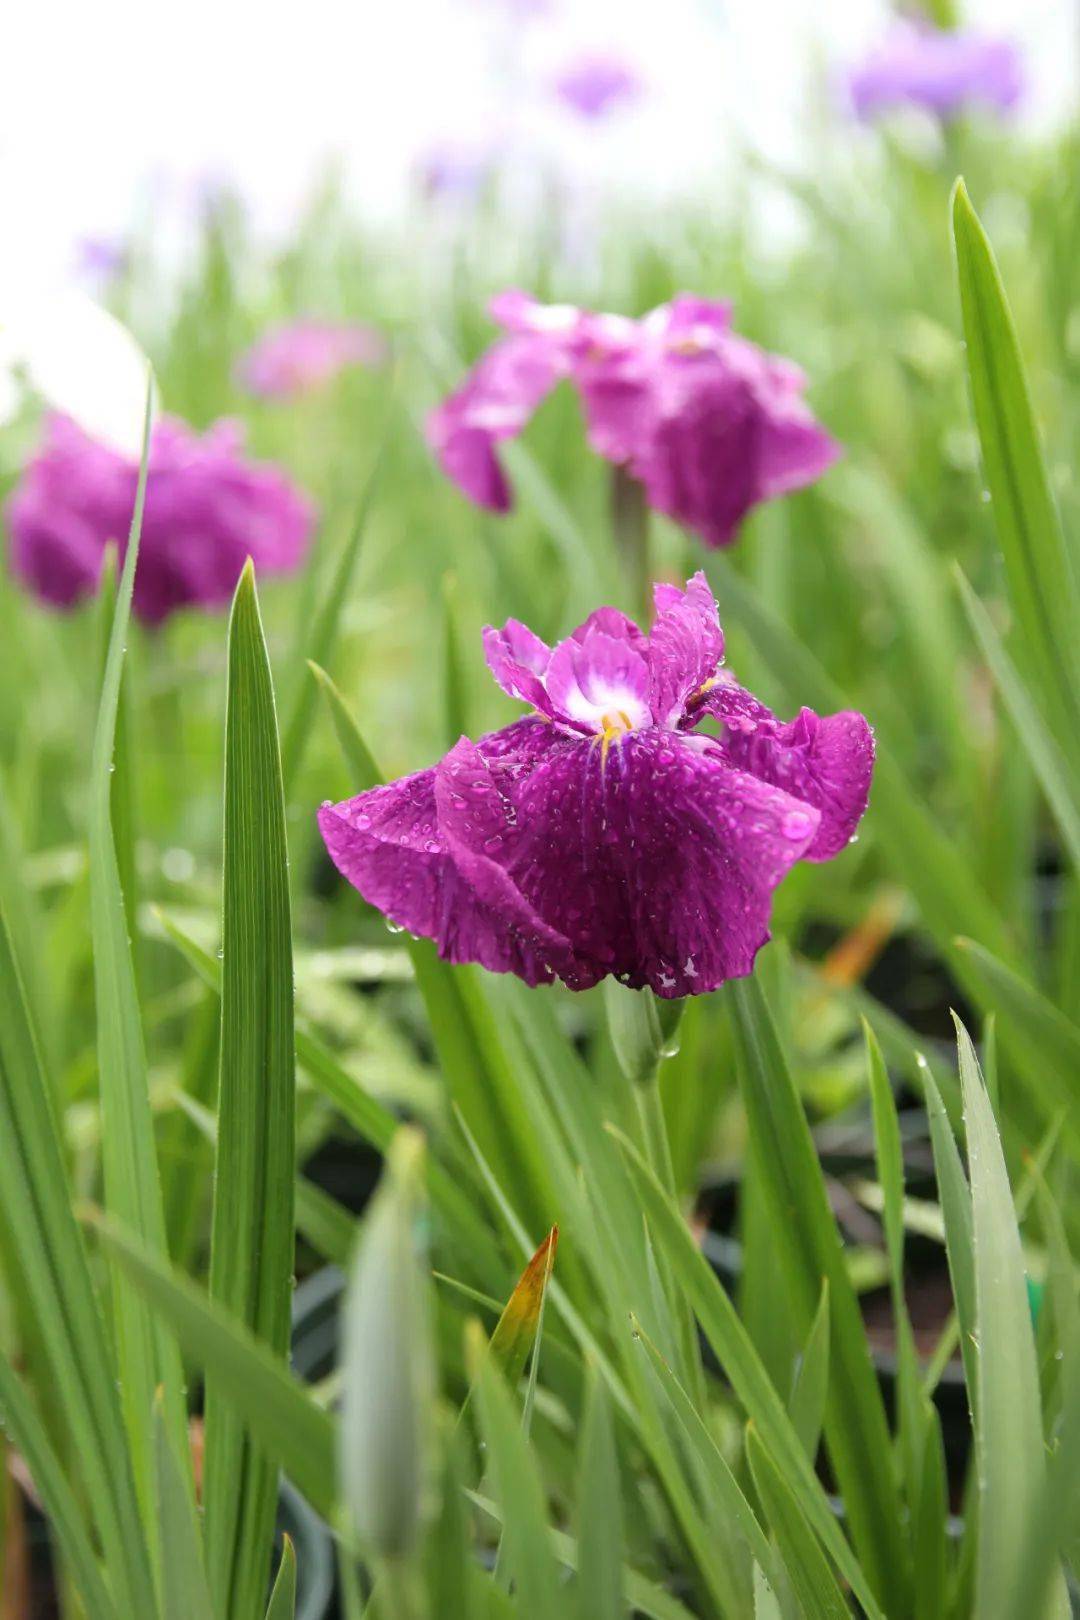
301	356
207	510
596	84
918	65
603	834
453	170
706	421
100	259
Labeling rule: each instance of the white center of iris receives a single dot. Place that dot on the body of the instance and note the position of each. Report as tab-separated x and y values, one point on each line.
607	707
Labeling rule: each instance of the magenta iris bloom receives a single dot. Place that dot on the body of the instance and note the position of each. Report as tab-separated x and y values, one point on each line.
944	72
604	833
207	510
303	355
595	85
707	422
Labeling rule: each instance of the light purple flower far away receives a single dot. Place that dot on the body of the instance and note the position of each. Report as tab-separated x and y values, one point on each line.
100	258
303	355
604	833
916	64
596	84
207	510
707	422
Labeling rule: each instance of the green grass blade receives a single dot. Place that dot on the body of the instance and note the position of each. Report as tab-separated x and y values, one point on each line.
890	1168
742	1366
449	1558
820	1598
929	1522
66	1521
1041	584
600	1586
454	684
282	1605
955	1200
526	1544
328	1226
363	771
369	1118
728	1499
1052	1530
184	1592
146	1355
809	1247
645	1596
810	1390
1052	1040
1059	780
324	630
251	1255
41	1234
1008	1431
122	786
24	919
765	1605
273	1404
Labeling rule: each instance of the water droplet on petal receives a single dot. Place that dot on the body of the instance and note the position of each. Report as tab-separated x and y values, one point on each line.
796	824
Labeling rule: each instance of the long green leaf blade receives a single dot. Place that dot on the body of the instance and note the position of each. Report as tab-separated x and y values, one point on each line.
742	1365
282	1605
43	1240
1008	1431
955	1200
810	1390
820	1598
1059	780
272	1403
1041	583
184	1592
251	1255
525	1523
147	1357
324	629
728	1498
601	1594
65	1515
856	1431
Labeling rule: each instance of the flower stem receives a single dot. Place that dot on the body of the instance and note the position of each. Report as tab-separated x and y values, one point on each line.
397	1593
650	1110
630	527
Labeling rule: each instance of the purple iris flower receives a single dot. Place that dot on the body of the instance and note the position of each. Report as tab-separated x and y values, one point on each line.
944	72
303	355
604	833
706	421
596	84
207	510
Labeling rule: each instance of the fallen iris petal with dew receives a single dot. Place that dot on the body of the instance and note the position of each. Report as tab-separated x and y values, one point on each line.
303	355
604	834
944	71
208	508
708	423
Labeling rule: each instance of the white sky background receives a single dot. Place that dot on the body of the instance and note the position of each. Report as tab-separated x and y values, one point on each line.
105	104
